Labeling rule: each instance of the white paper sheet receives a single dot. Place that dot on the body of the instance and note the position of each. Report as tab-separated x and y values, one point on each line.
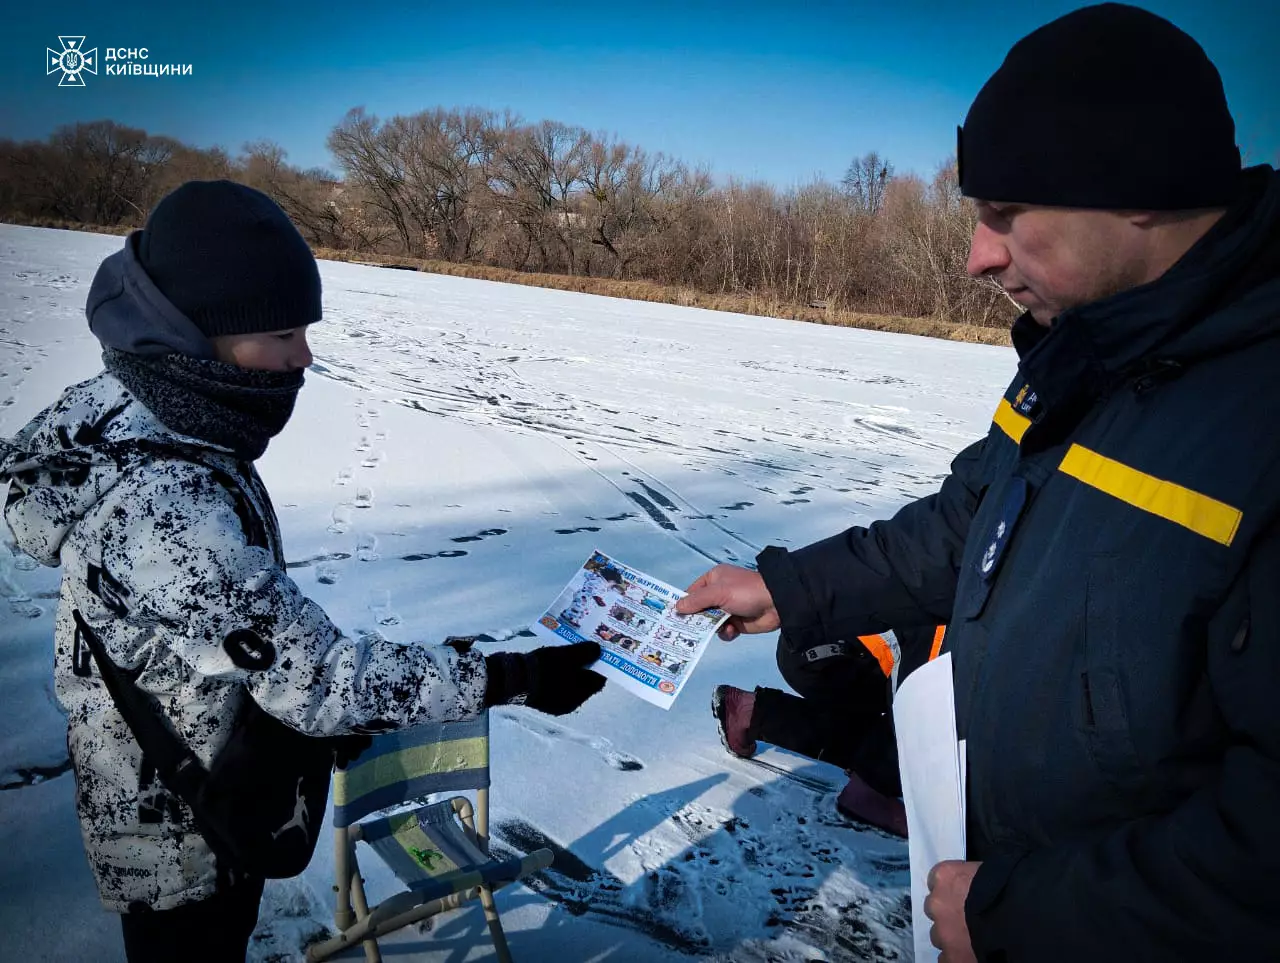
933	782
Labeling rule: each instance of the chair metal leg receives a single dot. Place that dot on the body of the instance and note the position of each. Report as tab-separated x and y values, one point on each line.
381	922
357	923
399	911
495	925
371	952
342	855
482	819
486	893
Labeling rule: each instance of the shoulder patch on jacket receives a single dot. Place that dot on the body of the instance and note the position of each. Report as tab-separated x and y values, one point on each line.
1015	412
249	651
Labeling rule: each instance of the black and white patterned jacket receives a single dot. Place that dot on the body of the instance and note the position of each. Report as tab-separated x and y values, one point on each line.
170	549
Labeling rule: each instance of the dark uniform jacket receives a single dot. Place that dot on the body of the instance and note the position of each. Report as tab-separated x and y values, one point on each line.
1108	559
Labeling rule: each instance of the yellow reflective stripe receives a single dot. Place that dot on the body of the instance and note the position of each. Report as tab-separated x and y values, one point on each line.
1201	514
412	763
1010	422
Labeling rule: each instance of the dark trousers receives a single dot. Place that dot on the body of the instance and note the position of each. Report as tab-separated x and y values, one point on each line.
213	930
840	716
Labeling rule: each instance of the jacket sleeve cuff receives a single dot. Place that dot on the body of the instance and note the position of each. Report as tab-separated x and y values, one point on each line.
801	624
980	907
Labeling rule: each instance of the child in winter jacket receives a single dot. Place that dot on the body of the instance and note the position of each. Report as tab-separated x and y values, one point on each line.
140	483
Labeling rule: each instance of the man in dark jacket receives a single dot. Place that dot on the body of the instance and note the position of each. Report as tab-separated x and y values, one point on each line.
1108	557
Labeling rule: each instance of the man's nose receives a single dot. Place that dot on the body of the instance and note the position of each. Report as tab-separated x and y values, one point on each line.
987	252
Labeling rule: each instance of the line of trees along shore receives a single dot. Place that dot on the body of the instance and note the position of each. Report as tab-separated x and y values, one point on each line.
477	187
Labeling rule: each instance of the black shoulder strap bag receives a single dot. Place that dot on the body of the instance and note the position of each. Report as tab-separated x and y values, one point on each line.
261	803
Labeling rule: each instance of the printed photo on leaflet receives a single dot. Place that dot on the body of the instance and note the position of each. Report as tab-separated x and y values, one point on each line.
645	646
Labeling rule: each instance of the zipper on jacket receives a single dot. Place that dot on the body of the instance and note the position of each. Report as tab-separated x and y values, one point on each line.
1154	373
1088	699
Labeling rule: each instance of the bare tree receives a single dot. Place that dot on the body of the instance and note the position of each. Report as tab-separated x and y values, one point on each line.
536	172
865	181
622	187
306	196
99	172
371	157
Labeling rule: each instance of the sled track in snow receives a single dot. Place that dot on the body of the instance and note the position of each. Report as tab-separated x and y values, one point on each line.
595	451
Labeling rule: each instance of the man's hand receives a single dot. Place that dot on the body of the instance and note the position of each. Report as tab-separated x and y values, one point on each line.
741	593
949	883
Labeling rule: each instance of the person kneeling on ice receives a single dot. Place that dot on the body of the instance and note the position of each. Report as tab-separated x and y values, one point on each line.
841	716
177	625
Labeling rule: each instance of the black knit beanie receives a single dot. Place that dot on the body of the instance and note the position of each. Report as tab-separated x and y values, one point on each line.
230	259
1109	107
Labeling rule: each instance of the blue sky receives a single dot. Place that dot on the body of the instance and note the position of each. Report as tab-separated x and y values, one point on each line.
781	92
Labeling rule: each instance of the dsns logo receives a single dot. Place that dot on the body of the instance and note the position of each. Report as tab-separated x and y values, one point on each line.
73	60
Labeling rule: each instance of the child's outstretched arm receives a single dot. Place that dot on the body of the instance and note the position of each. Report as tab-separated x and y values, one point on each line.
185	575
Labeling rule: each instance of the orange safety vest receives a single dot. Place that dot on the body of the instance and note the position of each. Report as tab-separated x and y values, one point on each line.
879	647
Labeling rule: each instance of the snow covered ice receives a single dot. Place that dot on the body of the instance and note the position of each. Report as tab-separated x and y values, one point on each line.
459	448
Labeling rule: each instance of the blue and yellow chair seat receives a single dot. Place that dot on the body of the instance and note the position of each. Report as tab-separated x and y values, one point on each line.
439	849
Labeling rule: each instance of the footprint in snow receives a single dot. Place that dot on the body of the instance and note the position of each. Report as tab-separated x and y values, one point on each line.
506	635
24	562
380	608
486	533
341	519
574	531
423	556
24	608
364	498
374	460
367	548
317	559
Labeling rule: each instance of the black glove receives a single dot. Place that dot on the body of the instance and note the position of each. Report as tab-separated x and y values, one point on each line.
553	679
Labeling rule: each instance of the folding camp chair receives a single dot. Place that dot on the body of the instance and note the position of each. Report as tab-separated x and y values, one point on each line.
437	849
